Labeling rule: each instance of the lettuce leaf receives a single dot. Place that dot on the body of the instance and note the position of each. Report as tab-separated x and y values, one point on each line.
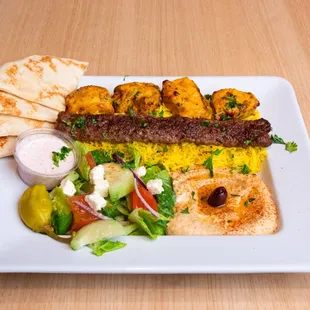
166	200
83	168
101	247
61	216
153	226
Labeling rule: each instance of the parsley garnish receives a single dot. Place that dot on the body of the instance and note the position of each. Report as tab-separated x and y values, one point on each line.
143	124
277	140
208	163
225	117
216	152
137	93
245	169
68	123
193	195
125	76
208	96
289	146
58	156
105	134
165	149
247	142
94	121
153	113
185	211
131	112
115	103
232	155
205	124
232	102
247	203
80	122
185	170
216	124
235	195
161	114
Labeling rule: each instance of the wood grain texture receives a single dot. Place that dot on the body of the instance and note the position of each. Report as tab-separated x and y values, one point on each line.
172	37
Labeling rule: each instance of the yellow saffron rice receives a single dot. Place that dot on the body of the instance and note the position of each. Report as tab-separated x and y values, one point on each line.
176	156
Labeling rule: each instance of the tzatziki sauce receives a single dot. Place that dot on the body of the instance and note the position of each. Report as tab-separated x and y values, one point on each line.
45	156
36	153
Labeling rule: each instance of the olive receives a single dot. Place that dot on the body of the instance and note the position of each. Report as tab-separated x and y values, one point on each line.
218	197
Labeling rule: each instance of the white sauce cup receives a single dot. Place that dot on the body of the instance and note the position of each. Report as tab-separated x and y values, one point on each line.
32	177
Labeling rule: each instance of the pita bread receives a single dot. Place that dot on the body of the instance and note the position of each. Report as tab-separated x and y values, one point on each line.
42	79
14	126
15	106
249	209
7	145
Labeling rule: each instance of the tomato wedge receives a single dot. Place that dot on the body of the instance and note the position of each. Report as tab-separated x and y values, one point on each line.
80	216
90	160
147	196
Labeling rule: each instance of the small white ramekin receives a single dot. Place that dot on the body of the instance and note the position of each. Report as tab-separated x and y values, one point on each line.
31	177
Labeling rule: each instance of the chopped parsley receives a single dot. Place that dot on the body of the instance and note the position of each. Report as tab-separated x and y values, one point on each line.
216	152
232	155
225	117
143	124
277	140
161	114
216	124
165	149
231	102
115	103
247	142
185	211
125	76
58	156
289	146
68	123
193	195
104	134
80	122
247	203
205	124
185	170
208	163
153	113
235	195
208	96
131	112
94	121
137	93
245	169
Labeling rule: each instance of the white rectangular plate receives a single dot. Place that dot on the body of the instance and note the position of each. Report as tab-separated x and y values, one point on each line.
287	174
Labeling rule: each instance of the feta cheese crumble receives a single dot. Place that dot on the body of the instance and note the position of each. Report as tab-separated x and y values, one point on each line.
155	186
67	187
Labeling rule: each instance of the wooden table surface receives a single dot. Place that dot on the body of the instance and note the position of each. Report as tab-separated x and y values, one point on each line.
152	37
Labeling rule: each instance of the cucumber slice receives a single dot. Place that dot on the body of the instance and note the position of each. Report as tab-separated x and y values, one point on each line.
96	231
120	181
